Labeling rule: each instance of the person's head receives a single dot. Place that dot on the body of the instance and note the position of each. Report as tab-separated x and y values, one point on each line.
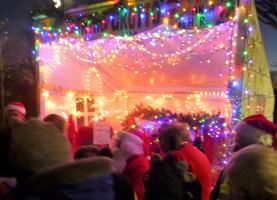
251	174
35	147
172	136
86	151
57	120
15	111
255	129
128	143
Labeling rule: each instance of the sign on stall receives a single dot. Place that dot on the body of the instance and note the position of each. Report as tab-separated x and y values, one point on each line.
101	133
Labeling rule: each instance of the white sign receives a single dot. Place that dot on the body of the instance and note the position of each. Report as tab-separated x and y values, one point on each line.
101	133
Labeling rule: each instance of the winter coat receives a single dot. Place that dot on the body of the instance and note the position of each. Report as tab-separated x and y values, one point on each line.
221	190
135	169
5	140
199	165
81	180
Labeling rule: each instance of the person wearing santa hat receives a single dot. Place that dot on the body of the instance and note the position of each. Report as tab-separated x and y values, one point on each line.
255	129
130	159
15	111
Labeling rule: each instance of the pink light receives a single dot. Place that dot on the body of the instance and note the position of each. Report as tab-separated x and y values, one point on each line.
88	29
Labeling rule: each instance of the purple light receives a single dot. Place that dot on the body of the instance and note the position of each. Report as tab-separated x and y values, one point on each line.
235	83
225	162
111	17
250	62
250	29
205	10
246	92
68	28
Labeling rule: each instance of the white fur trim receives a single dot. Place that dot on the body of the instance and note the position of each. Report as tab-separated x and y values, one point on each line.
130	143
247	134
20	109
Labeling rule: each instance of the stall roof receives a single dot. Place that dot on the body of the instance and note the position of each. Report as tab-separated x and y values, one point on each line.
163	60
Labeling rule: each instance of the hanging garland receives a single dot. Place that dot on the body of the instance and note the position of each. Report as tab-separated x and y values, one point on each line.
213	126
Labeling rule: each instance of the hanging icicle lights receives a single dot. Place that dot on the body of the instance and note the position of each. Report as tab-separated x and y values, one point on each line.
148	46
141	46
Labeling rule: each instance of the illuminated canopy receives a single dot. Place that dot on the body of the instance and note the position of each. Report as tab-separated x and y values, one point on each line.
163	60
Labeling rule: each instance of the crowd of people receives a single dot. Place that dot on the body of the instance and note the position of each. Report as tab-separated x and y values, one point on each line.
37	163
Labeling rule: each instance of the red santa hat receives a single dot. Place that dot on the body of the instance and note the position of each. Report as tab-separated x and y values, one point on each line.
251	129
261	122
17	106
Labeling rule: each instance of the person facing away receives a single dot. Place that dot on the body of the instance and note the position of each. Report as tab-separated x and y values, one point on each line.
86	151
254	129
15	112
130	159
174	139
42	164
57	120
168	179
251	174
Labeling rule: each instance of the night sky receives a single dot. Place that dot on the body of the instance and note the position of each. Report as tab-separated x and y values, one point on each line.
18	13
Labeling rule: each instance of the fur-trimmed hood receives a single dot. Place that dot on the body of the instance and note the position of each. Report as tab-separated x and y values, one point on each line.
35	147
69	174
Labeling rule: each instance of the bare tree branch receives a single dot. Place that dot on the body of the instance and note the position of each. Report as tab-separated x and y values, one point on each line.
267	11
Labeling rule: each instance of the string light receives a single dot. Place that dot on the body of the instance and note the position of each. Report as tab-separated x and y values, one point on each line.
141	47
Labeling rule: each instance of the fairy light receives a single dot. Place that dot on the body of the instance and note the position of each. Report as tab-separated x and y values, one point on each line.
94	71
45	93
58	3
99	53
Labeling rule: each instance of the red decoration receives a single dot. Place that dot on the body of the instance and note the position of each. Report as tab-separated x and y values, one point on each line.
71	132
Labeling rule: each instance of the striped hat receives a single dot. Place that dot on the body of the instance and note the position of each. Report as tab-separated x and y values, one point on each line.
17	106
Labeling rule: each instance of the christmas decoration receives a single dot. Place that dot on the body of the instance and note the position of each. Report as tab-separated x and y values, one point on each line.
212	129
71	133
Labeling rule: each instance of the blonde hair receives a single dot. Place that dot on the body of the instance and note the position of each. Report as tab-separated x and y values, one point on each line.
172	136
252	170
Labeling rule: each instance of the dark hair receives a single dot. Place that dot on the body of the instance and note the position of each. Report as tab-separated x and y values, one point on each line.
57	120
171	136
106	152
86	151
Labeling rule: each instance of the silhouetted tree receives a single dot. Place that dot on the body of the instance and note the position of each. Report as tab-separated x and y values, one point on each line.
267	11
19	70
